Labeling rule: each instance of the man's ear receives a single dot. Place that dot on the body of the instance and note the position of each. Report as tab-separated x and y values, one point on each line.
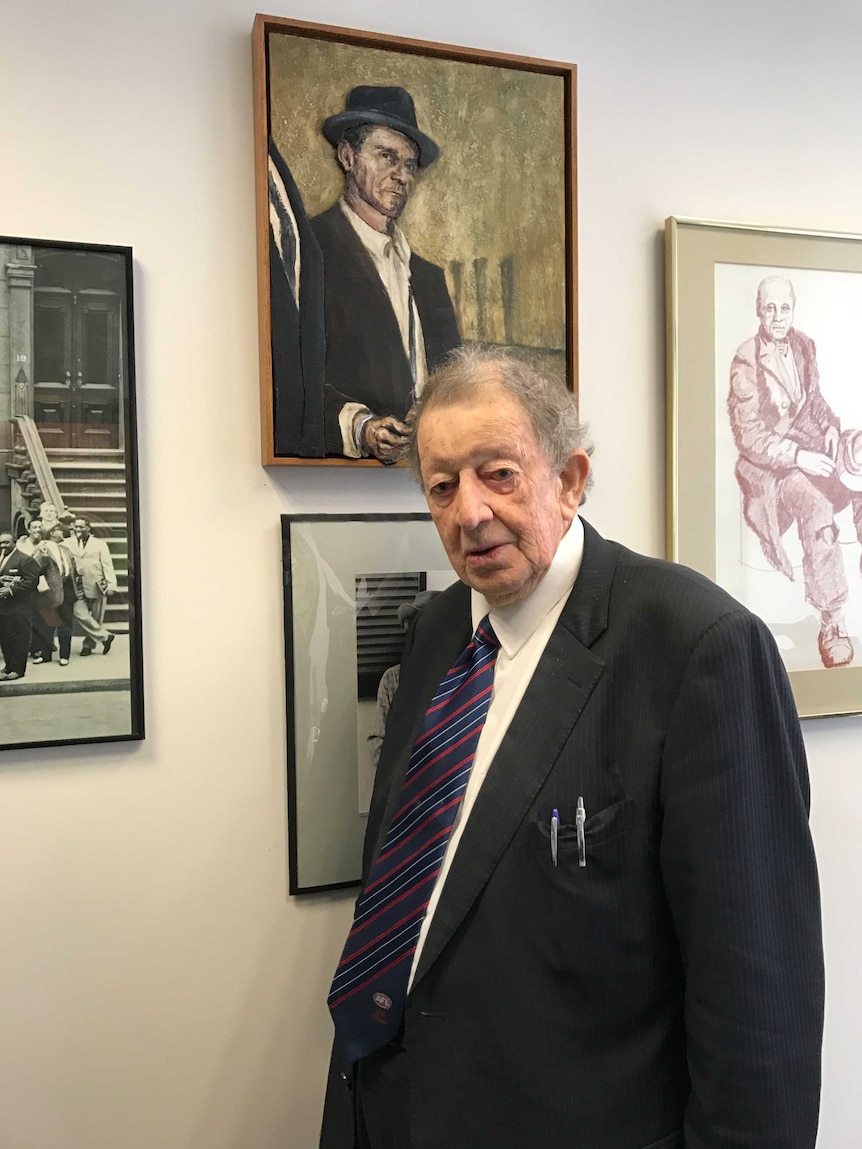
573	480
345	155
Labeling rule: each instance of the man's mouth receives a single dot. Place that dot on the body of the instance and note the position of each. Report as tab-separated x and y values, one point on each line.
479	555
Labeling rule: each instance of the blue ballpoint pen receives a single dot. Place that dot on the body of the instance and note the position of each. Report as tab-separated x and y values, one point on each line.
555	830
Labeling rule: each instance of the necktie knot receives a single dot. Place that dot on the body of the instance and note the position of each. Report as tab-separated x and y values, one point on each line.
485	633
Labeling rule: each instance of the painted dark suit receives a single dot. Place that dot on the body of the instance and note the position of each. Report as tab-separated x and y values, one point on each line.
769	426
671	991
365	358
298	339
20	573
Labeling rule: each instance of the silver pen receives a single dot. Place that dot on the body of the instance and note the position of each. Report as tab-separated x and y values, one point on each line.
580	818
555	831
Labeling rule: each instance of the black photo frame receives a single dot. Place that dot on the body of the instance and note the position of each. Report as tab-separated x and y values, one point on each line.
68	458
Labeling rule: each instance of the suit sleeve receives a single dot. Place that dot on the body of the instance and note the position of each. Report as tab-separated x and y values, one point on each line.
27	576
108	567
741	882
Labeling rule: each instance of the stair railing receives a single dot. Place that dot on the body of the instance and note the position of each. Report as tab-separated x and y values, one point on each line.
39	462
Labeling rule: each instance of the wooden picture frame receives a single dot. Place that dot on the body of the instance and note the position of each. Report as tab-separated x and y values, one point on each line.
477	150
765	437
68	496
351	585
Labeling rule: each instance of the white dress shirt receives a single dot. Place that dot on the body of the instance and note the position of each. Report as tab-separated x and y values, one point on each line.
523	629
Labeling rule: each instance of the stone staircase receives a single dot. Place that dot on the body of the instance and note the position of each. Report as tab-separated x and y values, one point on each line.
91	484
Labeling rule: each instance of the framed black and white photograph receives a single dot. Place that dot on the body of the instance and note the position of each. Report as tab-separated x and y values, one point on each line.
70	617
352	586
765	438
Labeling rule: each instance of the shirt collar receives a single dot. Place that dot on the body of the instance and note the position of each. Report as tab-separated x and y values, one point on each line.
378	243
514	624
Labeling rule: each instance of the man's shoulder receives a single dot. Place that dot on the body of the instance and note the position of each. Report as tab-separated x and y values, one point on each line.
747	352
331	224
670	594
420	266
652	590
802	341
451	603
23	562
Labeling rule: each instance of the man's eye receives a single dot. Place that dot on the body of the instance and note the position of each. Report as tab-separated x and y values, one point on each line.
502	473
440	490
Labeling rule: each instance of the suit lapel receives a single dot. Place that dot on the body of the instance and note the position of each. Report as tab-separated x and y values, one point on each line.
553	703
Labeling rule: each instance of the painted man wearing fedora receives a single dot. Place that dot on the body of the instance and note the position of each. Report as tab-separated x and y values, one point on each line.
790	442
389	317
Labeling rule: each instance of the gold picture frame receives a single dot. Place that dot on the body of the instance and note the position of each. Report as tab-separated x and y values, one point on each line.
763	382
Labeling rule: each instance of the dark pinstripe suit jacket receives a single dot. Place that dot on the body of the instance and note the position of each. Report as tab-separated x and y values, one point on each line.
673	988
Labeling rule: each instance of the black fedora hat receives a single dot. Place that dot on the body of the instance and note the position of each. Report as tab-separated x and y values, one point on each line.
389	107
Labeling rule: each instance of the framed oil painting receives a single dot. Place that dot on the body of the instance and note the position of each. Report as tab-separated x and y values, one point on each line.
411	198
765	437
352	586
70	599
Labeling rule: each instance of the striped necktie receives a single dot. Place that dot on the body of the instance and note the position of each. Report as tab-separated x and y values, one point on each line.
370	985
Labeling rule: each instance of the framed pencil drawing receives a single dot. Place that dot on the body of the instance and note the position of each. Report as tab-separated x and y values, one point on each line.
352	585
411	197
70	615
765	437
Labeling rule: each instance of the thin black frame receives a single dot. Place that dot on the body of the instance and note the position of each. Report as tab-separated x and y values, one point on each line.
335	832
130	446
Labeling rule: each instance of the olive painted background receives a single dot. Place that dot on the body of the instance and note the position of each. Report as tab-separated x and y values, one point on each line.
491	210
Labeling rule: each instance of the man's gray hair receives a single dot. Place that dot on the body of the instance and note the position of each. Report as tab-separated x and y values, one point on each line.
547	401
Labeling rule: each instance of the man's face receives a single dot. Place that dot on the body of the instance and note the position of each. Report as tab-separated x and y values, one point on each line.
81	529
34	530
497	503
6	543
775	308
57	535
382	172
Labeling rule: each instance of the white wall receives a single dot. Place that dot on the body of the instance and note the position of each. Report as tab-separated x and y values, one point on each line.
158	988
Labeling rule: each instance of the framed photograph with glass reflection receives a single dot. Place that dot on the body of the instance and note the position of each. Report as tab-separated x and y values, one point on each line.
352	586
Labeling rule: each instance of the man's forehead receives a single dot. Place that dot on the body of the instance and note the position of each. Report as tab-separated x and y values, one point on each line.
483	422
383	137
779	292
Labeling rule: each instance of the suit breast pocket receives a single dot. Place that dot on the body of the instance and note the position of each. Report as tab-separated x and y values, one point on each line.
599	830
575	913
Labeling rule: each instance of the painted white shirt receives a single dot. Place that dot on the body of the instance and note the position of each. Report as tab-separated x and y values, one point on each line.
523	629
390	254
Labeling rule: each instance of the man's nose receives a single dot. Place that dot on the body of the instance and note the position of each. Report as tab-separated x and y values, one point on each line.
472	505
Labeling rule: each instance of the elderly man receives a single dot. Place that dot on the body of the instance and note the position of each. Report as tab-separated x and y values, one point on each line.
590	913
19	575
389	318
788	437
